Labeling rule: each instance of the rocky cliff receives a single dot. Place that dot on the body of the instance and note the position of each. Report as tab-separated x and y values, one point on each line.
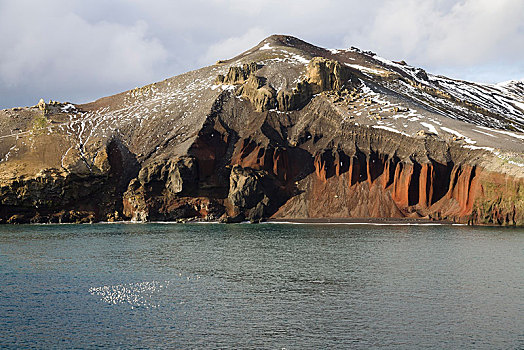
285	130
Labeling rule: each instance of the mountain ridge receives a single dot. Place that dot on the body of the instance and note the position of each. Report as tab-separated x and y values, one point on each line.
285	130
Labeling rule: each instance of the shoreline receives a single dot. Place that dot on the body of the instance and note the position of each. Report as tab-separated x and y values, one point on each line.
363	221
301	221
292	221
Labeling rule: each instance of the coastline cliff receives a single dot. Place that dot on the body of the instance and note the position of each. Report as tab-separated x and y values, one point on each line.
285	130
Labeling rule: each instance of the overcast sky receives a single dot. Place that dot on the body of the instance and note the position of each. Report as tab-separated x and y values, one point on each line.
72	50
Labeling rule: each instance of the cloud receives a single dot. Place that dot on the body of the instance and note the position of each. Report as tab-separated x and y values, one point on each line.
452	34
56	50
474	31
233	46
77	50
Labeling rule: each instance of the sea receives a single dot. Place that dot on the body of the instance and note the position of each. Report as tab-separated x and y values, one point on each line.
261	286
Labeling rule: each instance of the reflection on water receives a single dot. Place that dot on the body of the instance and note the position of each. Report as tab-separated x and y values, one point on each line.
261	286
134	294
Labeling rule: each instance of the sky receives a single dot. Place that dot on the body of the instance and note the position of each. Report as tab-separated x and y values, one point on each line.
78	51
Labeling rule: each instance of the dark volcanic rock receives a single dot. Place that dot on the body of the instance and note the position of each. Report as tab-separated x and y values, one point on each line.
295	98
253	194
285	130
176	176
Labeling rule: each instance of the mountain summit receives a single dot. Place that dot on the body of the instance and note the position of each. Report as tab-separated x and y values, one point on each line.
285	130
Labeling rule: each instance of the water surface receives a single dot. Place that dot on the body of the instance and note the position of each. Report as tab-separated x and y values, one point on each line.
268	286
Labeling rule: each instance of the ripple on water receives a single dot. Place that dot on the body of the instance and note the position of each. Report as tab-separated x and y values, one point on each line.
260	286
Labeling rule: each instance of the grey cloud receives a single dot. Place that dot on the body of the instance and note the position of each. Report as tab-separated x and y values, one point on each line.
54	52
467	39
77	50
234	45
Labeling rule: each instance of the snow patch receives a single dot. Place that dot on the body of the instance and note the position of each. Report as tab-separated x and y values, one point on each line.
509	133
482	132
69	108
300	59
388	128
491	149
430	127
364	69
458	134
222	86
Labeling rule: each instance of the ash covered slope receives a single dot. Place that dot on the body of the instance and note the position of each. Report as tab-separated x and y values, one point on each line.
284	130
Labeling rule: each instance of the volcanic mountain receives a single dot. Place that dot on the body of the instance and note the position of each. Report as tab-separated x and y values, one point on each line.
285	130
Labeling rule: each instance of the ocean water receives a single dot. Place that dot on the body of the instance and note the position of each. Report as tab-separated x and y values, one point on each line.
266	286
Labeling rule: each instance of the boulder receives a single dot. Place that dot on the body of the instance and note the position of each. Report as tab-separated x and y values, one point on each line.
253	194
294	99
325	75
160	185
178	176
238	75
245	190
182	177
322	75
421	74
261	95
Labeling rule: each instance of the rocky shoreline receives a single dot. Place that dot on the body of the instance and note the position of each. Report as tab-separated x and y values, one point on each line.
285	131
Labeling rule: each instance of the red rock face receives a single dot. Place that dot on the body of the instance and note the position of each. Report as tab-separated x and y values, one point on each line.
209	149
332	184
378	186
284	164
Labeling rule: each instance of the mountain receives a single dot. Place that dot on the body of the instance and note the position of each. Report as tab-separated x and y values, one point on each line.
285	130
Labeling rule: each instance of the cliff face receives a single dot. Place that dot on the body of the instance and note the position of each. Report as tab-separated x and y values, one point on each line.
285	130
